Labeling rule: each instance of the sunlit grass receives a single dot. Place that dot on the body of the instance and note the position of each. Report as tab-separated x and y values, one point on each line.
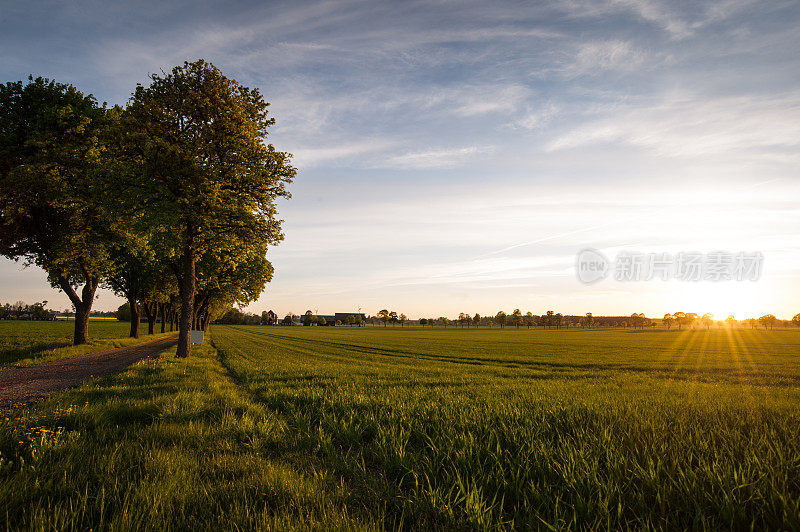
31	342
536	429
458	429
167	445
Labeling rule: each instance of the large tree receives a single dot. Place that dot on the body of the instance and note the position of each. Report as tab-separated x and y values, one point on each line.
516	317
229	278
51	209
206	173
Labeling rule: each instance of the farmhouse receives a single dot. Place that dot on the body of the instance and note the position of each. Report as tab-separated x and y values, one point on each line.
270	319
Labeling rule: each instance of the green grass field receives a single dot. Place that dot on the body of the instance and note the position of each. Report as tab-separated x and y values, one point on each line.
343	428
30	342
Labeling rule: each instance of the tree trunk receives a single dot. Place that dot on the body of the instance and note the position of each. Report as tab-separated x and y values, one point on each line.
186	283
83	306
82	311
150	309
151	318
163	315
135	317
202	313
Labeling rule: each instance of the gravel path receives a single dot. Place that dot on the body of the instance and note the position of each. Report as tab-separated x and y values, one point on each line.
29	383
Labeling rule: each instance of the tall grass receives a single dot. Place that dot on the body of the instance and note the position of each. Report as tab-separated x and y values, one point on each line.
169	444
335	429
486	429
31	342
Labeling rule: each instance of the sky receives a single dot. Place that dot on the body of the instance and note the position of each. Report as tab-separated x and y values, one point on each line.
457	156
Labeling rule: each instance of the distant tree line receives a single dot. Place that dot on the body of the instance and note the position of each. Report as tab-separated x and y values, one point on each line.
557	320
548	320
169	201
23	311
234	316
310	319
690	320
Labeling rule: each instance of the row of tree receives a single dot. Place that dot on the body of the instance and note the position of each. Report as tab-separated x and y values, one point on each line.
169	201
549	320
309	319
517	319
22	311
557	320
690	319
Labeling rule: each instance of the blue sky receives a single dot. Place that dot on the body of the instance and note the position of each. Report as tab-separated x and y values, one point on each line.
456	156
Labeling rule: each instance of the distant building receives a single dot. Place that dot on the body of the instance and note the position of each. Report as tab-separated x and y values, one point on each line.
272	318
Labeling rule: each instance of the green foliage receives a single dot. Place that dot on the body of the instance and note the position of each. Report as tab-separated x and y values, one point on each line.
206	172
50	146
179	183
234	316
22	311
383	315
208	182
52	213
124	312
221	284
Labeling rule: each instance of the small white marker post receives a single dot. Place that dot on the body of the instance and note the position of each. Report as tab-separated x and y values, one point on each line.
197	337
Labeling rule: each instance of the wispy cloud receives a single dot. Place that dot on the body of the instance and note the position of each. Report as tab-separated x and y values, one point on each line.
438	158
679	20
351	154
688	126
599	56
536	117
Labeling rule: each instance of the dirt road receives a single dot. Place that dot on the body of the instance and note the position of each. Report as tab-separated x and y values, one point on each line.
26	384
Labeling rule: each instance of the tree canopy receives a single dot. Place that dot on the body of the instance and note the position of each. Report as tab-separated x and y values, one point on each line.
51	212
180	184
204	172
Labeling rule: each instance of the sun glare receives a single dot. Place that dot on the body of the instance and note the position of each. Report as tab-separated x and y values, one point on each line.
742	299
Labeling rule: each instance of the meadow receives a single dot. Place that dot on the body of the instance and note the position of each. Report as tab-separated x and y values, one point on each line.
30	342
373	428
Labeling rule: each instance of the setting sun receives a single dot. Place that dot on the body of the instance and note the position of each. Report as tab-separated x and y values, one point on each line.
743	300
